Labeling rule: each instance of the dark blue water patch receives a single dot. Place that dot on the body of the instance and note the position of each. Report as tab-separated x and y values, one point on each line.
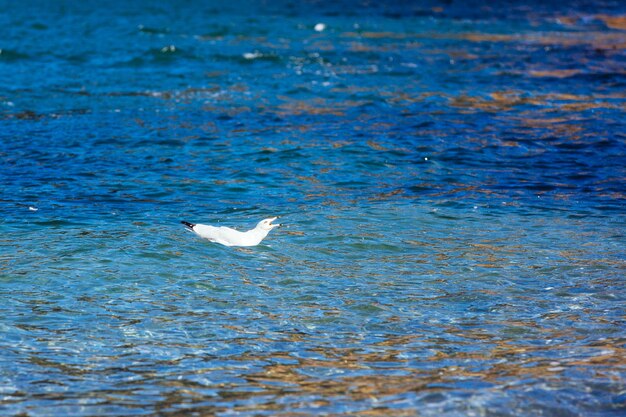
7	55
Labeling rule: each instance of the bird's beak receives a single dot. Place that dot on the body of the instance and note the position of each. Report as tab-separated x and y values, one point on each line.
274	224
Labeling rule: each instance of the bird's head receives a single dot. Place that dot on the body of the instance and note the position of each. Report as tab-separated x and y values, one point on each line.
266	224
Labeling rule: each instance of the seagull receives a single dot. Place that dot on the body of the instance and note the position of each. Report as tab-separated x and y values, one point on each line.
231	237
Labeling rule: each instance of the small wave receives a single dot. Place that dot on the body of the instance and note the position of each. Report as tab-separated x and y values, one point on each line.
153	30
166	54
11	55
248	57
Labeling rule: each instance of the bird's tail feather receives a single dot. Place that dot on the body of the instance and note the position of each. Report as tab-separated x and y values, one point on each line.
189	225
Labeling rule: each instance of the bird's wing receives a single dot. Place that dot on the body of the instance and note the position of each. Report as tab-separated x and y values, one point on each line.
224	235
205	231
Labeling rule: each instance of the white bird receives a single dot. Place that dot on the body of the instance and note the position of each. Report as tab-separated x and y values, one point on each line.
231	237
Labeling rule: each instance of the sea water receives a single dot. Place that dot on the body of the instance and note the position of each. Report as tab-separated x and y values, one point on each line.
450	176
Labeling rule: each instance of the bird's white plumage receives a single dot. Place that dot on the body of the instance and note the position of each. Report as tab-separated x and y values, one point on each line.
231	237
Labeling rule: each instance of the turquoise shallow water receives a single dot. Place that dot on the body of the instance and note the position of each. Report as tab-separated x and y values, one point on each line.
450	177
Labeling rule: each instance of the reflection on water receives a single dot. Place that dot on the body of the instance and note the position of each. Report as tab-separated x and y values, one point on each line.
450	178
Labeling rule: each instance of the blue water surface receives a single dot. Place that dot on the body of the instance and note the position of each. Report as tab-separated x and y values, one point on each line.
450	177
